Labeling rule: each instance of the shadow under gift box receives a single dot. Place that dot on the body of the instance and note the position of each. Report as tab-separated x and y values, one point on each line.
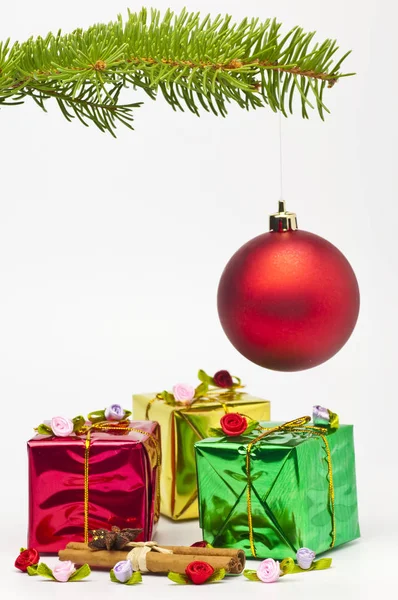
122	484
286	496
181	427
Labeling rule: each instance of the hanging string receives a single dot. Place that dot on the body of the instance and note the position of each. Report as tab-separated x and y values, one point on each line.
280	139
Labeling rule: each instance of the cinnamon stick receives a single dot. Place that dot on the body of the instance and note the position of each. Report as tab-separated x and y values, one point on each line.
177	550
232	562
204	551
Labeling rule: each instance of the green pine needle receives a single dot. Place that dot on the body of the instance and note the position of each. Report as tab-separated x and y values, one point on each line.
193	62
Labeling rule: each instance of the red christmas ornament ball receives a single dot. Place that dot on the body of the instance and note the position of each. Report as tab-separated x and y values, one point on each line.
288	300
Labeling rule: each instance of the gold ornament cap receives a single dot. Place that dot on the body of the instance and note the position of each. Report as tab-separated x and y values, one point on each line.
283	220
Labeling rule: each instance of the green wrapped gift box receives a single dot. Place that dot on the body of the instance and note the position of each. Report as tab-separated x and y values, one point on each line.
293	488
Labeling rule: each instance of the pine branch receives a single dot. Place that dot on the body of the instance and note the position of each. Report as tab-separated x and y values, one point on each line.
199	64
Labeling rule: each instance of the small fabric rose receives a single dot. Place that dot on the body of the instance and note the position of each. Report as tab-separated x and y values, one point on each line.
305	557
63	570
123	571
183	393
202	544
199	571
223	379
233	424
27	558
269	570
320	414
114	412
61	426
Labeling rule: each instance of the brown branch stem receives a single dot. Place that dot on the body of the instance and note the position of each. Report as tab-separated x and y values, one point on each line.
233	65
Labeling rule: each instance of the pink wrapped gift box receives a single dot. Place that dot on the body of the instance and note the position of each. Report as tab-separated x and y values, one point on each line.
73	490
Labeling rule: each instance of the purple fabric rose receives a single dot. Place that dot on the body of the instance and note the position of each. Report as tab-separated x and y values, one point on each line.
305	557
114	412
320	415
123	571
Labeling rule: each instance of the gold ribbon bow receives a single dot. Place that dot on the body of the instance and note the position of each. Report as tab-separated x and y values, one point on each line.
215	395
113	426
296	426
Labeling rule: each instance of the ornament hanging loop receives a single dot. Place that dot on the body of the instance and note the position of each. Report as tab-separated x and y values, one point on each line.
283	220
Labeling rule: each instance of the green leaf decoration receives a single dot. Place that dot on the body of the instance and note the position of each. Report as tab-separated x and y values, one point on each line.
252	575
321	564
45	571
178	578
44	429
22	549
167	397
334	420
99	415
288	566
80	574
135	578
251	427
216	432
201	390
96	416
204	377
32	570
217	576
78	423
113	576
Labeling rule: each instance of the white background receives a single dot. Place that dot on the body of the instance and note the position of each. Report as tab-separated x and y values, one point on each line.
111	251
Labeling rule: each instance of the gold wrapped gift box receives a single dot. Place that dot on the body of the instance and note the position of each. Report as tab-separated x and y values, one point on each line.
181	427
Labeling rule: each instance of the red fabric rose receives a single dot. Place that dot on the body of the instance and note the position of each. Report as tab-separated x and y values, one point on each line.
27	558
199	545
233	424
199	571
223	379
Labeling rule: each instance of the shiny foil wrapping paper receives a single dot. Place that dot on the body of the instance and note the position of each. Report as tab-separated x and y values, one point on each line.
289	492
182	426
122	485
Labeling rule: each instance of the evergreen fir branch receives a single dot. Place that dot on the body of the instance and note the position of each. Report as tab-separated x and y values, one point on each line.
195	64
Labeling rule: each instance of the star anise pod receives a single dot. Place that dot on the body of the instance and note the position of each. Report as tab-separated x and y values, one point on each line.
115	539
